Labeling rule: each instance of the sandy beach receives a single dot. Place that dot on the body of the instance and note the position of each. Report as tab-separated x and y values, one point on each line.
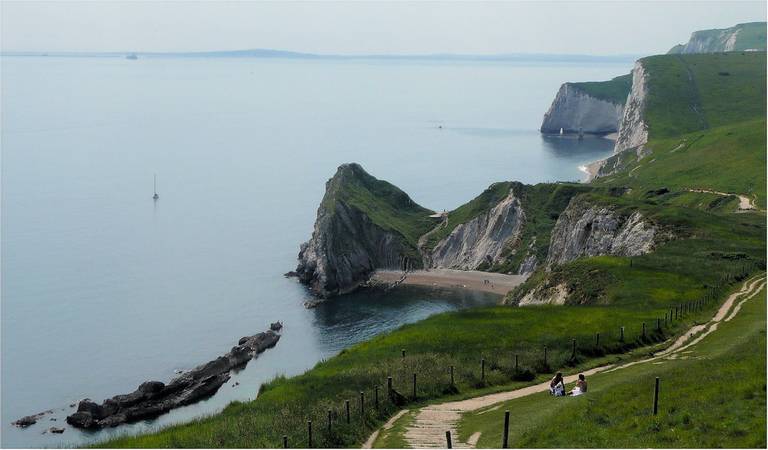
497	283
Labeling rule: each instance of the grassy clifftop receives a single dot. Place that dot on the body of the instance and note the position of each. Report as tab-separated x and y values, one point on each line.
384	203
614	90
744	36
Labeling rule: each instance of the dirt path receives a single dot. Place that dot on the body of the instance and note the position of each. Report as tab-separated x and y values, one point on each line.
497	283
431	422
745	203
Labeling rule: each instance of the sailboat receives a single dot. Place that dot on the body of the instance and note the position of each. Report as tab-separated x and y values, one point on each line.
155	197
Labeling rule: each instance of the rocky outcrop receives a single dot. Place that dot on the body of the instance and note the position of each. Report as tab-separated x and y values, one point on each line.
153	398
347	243
482	240
584	230
633	131
575	111
742	37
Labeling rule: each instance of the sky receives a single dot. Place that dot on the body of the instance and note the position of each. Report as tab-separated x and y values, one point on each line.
362	27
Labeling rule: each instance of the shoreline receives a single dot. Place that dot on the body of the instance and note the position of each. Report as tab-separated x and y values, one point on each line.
475	280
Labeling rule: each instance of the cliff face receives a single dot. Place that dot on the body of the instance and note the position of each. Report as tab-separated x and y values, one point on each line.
574	110
745	36
362	224
633	131
584	230
481	240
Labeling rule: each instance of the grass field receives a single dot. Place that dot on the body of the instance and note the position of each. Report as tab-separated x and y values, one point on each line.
714	396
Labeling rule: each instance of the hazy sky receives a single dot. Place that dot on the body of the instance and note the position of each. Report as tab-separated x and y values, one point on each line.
596	27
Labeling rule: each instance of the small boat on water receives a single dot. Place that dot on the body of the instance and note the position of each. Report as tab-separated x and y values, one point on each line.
155	197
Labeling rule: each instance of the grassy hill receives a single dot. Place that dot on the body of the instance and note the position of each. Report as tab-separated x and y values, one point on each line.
384	203
712	397
746	36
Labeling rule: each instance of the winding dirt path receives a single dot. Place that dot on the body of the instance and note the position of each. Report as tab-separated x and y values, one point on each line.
745	203
431	422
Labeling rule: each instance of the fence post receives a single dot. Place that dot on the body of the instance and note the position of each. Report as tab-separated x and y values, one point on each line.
346	406
403	351
329	422
643	330
621	338
482	369
597	340
285	441
414	385
376	396
389	387
448	439
452	381
656	397
309	433
362	405
517	367
658	324
505	440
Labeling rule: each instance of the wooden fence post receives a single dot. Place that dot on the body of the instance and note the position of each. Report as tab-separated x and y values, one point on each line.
621	336
285	441
403	351
517	367
452	380
656	397
376	397
309	433
389	387
505	440
346	406
658	324
414	385
482	369
362	405
330	421
448	439
597	340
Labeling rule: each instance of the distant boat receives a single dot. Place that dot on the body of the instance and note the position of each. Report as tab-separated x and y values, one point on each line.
155	197
131	56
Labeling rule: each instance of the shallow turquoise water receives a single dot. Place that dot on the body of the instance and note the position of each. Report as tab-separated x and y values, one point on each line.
102	288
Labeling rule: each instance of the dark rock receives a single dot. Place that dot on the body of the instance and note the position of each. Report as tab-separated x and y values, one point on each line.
25	421
81	419
56	430
153	398
291	274
277	326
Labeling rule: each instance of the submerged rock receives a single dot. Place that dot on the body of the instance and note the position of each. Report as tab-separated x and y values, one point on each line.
153	398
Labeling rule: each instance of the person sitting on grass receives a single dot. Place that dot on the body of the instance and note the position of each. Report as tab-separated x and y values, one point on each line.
581	386
557	385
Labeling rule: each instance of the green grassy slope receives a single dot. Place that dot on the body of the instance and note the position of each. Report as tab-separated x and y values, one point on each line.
385	204
459	338
614	90
706	122
750	36
712	397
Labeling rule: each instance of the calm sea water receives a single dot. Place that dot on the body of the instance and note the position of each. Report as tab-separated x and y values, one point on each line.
102	288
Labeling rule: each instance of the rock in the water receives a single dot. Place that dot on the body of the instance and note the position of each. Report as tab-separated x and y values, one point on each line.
277	326
56	430
153	398
349	242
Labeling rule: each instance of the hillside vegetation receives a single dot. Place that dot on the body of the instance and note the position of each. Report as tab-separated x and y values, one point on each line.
614	90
